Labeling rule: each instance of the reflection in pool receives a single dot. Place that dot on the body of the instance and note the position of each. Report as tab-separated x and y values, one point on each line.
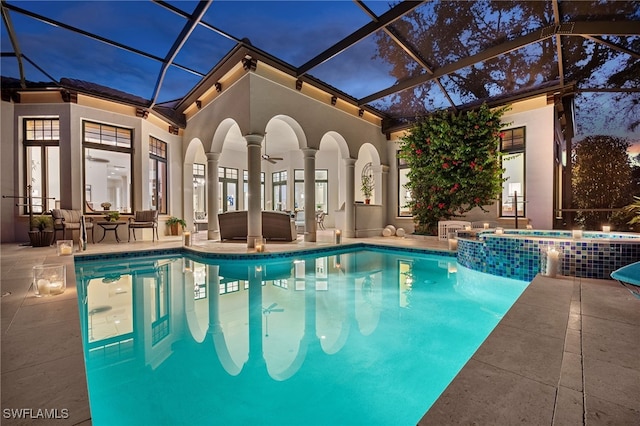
362	337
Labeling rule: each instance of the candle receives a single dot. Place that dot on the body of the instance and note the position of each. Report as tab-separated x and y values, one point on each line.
42	286
56	287
338	236
467	227
553	260
187	238
66	250
453	244
485	225
259	245
499	231
529	227
577	234
606	228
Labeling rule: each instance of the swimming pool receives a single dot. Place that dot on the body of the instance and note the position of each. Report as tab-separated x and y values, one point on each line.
369	336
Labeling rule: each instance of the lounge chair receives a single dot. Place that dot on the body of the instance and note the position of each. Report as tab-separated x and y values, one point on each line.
144	219
629	276
275	225
64	220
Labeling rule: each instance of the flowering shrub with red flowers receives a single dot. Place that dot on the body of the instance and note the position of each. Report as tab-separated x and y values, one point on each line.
454	164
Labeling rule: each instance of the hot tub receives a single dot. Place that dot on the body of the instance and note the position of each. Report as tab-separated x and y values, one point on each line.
516	253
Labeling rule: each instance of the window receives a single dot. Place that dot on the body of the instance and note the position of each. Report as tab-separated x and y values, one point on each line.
279	182
404	195
42	162
512	146
199	191
159	303
245	188
158	175
227	189
322	185
108	166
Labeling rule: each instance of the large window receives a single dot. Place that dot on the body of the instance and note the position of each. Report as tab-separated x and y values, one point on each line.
404	195
107	167
158	175
279	182
199	191
42	162
322	185
227	189
512	146
245	188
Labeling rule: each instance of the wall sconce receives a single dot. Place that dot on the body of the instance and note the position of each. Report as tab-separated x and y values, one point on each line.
173	130
298	84
199	104
334	99
218	87
142	113
69	97
360	112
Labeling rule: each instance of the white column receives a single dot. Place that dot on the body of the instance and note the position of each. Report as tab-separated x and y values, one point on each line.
213	232
309	194
254	168
382	195
350	198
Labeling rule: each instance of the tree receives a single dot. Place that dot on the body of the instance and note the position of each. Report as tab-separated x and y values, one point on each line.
442	33
601	178
454	164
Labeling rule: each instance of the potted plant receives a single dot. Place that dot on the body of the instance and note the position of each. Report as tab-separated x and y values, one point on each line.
112	216
173	223
41	233
367	188
106	205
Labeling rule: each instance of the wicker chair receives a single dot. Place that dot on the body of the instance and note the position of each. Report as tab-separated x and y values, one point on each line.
144	219
64	220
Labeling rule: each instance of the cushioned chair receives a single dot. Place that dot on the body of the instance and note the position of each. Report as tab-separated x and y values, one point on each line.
64	220
144	219
629	276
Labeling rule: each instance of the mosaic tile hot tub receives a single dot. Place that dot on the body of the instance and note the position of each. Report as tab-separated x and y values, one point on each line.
516	254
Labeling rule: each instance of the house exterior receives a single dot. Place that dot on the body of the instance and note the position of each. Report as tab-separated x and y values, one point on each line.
249	128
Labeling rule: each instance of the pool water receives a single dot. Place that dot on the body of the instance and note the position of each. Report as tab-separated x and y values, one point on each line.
351	338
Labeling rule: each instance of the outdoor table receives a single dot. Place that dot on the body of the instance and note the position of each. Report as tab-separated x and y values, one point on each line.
110	226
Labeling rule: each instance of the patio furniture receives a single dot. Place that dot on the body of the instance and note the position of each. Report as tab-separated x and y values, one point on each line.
299	220
64	219
320	219
629	276
110	225
275	226
144	219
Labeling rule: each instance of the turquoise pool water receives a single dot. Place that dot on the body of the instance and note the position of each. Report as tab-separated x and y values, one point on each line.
346	338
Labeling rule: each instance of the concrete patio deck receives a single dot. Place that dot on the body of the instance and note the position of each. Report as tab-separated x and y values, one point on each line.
565	354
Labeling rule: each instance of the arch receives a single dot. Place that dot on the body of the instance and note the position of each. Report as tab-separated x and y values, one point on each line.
368	154
228	131
285	134
196	312
195	150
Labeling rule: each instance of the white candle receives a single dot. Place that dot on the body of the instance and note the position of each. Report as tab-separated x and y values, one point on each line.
56	287
43	286
187	238
485	225
259	248
529	227
338	236
606	228
453	244
577	233
66	250
499	231
467	227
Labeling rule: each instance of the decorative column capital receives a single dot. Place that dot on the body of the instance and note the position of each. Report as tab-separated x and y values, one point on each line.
213	156
254	139
309	152
349	162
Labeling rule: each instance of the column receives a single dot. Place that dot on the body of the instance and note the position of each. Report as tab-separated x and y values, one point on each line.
309	194
350	198
254	168
382	196
213	233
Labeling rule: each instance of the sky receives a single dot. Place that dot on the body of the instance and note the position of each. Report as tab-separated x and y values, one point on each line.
293	31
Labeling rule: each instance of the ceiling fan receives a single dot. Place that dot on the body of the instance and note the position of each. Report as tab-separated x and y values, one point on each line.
266	156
